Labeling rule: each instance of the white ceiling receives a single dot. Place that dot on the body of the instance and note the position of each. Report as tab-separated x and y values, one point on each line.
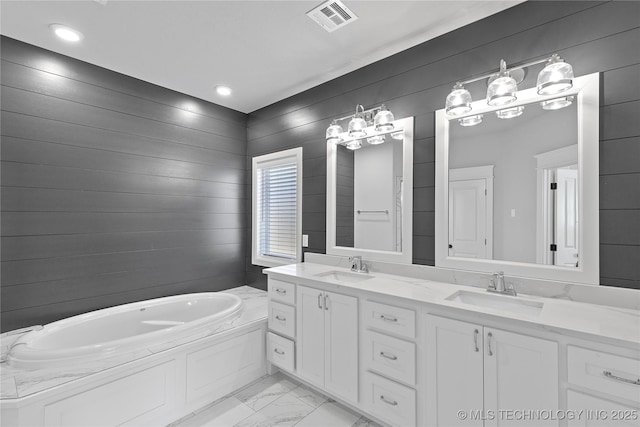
264	50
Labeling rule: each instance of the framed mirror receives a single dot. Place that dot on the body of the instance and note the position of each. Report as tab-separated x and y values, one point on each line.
370	196
520	194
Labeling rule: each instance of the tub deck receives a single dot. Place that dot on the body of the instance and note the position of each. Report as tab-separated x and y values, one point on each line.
17	383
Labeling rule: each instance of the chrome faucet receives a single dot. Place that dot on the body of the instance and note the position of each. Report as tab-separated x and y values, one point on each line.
498	285
357	265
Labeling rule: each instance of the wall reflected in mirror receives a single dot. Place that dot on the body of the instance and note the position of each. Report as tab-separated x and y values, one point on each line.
369	184
513	187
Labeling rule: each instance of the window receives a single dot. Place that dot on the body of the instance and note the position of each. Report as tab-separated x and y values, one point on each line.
277	200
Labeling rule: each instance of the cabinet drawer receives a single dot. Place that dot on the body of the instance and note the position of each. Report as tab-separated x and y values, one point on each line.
282	291
604	372
390	356
596	412
280	351
388	318
391	402
282	319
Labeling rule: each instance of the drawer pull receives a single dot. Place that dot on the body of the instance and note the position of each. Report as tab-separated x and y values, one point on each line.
388	356
608	374
280	318
389	318
475	341
489	350
280	352
281	291
388	402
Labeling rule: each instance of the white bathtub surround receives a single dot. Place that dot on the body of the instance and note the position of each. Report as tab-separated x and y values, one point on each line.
274	400
22	382
600	295
173	377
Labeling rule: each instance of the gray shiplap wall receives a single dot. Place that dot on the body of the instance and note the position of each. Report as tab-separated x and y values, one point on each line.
113	189
592	36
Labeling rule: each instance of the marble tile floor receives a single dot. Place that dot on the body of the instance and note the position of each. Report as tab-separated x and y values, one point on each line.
274	400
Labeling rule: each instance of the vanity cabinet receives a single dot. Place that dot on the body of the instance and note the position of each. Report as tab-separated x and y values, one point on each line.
327	339
485	372
603	387
389	362
282	324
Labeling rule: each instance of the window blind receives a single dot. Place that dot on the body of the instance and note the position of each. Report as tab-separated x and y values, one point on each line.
277	204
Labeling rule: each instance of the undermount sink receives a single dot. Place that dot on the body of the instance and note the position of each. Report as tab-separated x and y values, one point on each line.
498	302
344	276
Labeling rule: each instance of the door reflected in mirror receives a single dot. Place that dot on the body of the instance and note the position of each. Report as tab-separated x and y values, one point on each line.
513	187
369	196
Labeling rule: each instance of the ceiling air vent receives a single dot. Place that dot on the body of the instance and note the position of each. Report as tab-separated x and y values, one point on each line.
332	15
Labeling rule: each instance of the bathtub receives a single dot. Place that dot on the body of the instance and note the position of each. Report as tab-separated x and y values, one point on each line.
199	348
98	335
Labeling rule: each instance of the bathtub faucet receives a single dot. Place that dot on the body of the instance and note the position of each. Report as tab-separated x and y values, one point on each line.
25	330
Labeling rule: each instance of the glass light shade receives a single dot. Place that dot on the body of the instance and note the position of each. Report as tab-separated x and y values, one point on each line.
354	145
458	101
502	90
509	113
556	104
357	127
333	133
555	77
471	120
399	135
375	140
383	121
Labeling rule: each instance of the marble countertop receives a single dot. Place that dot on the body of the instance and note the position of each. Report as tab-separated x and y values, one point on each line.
16	383
613	325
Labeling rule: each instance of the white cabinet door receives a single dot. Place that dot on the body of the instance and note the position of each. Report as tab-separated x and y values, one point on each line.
311	343
591	411
341	344
327	325
520	374
455	369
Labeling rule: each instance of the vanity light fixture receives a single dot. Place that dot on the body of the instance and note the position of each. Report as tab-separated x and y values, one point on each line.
555	77
333	133
556	104
383	120
471	120
375	140
502	89
458	101
66	33
373	120
398	135
510	113
354	144
358	124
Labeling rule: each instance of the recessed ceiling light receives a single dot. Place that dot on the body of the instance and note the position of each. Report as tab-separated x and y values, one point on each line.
223	90
66	33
